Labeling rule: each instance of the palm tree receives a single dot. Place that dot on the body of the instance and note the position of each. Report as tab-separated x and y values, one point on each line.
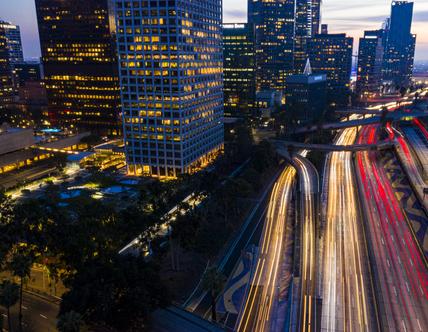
70	322
20	266
9	296
213	282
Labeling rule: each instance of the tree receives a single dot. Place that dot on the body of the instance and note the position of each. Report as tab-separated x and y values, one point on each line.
119	291
70	322
213	282
20	265
7	206
9	296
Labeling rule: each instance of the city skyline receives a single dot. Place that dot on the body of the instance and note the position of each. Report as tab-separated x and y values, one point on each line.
347	17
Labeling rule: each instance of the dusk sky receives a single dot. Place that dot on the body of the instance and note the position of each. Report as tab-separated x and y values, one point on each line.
351	16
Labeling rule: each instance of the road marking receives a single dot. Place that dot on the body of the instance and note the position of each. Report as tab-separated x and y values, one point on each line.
24	307
43	316
5	316
419	324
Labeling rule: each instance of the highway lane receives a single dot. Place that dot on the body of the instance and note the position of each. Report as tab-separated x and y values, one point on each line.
400	267
264	286
309	189
39	315
346	287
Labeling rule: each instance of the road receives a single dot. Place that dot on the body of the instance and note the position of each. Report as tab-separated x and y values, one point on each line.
403	277
264	286
39	315
346	285
309	189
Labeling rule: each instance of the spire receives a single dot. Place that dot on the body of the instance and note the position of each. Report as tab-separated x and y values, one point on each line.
308	68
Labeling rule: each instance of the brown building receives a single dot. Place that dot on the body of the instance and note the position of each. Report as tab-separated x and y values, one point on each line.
79	59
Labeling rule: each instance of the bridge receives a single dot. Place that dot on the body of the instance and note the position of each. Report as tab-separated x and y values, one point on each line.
392	116
330	147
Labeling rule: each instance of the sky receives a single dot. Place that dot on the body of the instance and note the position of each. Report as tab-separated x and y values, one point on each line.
350	16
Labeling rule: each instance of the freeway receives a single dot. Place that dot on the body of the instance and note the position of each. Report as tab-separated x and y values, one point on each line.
264	285
38	314
347	291
309	189
403	276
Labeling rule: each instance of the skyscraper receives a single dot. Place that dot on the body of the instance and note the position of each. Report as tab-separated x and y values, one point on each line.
331	54
370	58
239	69
6	86
400	45
274	25
80	64
306	26
14	43
171	60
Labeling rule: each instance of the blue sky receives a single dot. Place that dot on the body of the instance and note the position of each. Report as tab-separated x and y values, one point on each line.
351	16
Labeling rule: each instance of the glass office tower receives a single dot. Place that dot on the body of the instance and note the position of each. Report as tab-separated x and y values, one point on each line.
171	65
370	57
6	86
331	54
79	57
14	43
400	45
239	69
307	26
274	22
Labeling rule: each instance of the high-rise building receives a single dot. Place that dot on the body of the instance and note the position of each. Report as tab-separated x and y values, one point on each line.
80	64
306	26
14	43
171	64
6	86
370	58
331	54
274	22
239	69
306	96
400	45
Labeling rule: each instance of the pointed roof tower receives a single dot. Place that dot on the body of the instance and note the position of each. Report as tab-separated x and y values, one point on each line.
308	68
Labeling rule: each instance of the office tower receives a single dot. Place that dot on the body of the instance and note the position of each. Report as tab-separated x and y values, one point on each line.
306	96
171	64
331	54
400	45
239	69
28	71
274	26
306	26
370	58
80	64
14	44
6	86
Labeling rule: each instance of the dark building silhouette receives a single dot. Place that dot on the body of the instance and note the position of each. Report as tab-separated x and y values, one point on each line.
6	84
306	96
399	45
274	23
370	59
306	26
239	69
331	54
80	64
27	71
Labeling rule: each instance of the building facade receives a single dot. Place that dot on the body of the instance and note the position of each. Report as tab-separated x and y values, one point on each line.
80	64
6	84
274	23
171	59
331	54
307	24
399	45
239	69
370	59
14	43
306	96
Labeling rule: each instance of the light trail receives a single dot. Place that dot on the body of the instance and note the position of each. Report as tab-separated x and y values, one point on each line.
402	274
346	288
263	288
